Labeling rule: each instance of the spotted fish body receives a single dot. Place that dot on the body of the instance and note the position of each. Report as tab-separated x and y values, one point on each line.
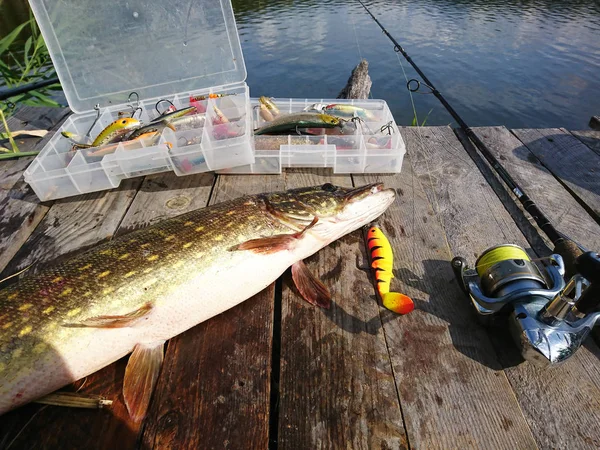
382	263
153	284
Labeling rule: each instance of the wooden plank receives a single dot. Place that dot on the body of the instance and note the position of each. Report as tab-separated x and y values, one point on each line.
20	209
591	138
214	388
451	386
561	404
165	195
33	118
75	224
568	159
560	207
336	384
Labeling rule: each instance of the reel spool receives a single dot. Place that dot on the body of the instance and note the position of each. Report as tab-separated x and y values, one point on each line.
504	274
505	269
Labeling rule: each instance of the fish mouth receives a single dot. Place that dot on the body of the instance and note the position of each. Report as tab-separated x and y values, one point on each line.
361	192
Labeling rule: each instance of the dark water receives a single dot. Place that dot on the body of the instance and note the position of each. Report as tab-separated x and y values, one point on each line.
513	63
498	62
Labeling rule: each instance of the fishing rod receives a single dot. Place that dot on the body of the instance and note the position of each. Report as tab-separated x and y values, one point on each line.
548	321
11	92
557	238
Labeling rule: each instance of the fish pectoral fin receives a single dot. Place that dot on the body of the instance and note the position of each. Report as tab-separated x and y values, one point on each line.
309	286
124	320
275	243
141	375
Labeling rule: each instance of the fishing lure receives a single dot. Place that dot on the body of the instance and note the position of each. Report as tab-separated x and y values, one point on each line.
293	121
270	105
343	110
220	117
382	262
265	112
115	131
157	126
169	116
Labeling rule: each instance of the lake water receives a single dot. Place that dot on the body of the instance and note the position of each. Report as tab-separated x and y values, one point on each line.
514	63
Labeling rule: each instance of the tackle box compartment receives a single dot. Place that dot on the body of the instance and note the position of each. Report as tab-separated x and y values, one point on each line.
138	47
369	145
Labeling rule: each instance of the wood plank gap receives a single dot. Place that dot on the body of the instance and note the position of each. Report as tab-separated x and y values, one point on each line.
385	336
538	241
275	368
591	138
565	185
567	158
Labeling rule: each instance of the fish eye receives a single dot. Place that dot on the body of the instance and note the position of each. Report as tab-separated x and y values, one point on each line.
328	187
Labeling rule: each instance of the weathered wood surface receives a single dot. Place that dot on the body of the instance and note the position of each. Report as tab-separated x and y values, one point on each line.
74	224
577	166
444	362
33	118
561	208
473	220
336	385
20	209
591	138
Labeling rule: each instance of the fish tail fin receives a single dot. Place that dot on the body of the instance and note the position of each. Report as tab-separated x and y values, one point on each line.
397	302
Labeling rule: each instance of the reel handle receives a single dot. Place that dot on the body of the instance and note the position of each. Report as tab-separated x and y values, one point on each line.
569	251
459	265
588	265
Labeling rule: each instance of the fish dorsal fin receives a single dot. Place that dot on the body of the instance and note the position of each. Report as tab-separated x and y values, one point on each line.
275	243
125	320
141	375
309	286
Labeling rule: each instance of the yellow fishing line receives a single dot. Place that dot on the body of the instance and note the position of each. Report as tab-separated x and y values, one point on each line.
498	254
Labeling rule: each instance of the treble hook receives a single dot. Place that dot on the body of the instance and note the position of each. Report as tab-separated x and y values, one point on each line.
137	106
361	122
388	126
161	101
413	80
97	108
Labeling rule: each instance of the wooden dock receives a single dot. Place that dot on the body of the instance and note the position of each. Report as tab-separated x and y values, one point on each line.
276	372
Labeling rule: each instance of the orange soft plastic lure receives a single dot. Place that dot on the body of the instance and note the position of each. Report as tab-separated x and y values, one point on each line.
382	263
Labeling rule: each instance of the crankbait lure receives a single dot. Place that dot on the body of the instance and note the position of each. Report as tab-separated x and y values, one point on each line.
293	121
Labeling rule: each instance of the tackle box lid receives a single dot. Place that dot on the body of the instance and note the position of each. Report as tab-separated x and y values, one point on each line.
105	50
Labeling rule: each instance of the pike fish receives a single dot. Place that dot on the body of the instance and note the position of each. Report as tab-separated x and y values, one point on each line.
135	292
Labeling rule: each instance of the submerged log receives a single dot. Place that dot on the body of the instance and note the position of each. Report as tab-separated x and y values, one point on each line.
359	83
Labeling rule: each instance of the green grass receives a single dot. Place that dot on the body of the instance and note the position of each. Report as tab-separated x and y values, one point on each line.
415	123
24	63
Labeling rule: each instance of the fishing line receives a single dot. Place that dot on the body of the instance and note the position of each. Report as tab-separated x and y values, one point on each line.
355	36
528	204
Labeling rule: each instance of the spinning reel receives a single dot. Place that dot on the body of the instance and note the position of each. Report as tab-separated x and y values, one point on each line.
549	319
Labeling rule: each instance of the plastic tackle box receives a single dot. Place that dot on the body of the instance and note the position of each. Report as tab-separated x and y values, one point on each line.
114	57
373	145
106	51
